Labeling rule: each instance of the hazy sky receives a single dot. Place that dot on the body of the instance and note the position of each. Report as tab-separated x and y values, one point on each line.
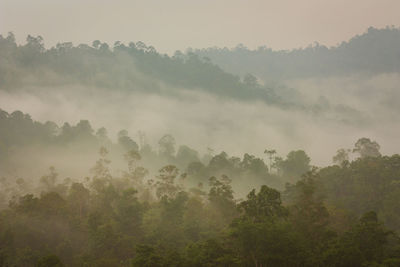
178	24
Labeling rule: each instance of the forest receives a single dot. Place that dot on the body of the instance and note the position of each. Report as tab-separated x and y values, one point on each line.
372	52
133	66
120	155
164	206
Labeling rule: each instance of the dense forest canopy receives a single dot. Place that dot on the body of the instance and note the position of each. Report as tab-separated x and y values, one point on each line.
120	85
118	155
174	207
187	212
135	66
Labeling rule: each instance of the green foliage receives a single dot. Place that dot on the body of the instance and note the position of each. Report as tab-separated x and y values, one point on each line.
366	244
296	164
110	226
262	236
369	183
210	253
49	261
222	202
367	148
137	218
266	205
135	66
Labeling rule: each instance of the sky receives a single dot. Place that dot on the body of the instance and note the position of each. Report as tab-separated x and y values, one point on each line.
178	24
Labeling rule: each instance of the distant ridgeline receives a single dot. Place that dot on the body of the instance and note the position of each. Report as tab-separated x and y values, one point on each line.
374	52
134	67
237	73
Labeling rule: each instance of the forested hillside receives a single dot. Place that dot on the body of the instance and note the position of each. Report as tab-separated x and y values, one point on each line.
118	155
120	86
374	52
132	67
190	211
132	136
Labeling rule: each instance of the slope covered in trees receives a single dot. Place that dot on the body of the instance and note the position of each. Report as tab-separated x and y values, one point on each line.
23	139
122	221
373	52
72	194
133	67
190	97
187	213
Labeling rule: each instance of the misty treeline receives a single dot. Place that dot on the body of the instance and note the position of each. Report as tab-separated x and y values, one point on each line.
23	139
129	67
374	52
187	212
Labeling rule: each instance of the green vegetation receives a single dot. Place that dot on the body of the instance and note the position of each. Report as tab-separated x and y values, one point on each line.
188	214
132	67
72	195
373	52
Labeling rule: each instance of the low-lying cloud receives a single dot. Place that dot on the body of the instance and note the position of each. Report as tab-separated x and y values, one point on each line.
338	111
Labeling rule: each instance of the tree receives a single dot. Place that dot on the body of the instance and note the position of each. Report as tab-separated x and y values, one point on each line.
367	148
262	236
49	181
102	136
128	213
165	185
78	200
371	237
96	44
135	172
250	81
367	243
265	205
167	146
36	44
222	202
49	261
101	172
211	253
147	256
252	165
126	142
52	204
295	164
271	153
83	129
220	164
186	155
309	216
341	157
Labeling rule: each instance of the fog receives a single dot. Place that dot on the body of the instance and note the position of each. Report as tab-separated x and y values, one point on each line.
133	87
178	24
199	133
338	112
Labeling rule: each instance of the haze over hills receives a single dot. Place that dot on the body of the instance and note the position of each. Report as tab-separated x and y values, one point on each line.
281	99
118	155
373	52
